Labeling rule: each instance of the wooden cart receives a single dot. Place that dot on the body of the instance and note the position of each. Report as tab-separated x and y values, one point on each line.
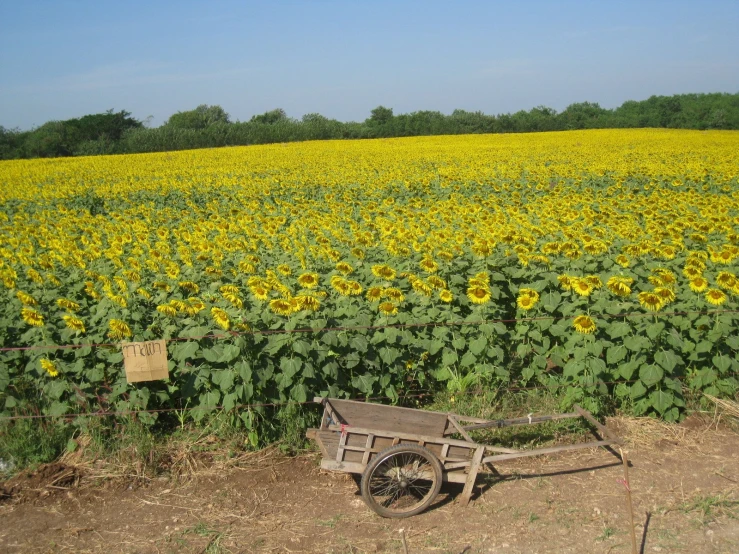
404	454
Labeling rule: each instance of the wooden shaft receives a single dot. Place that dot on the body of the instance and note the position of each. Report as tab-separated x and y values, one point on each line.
630	505
518	421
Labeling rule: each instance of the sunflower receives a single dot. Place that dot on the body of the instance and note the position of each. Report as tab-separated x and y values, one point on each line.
194	306
345	268
383	272
530	293
526	302
220	317
74	323
234	299
666	294
478	294
446	296
229	289
284	269
726	280
445	255
388	308
143	293
341	285
619	285
594	281
422	287
50	367
246	267
692	272
308	302
374	294
394	294
178	305
584	324
715	297
25	298
581	286
308	280
280	306
436	282
698	284
565	281
429	265
650	301
166	309
357	253
32	317
118	329
355	289
260	292
622	260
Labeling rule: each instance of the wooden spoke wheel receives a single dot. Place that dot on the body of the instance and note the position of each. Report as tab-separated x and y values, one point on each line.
401	481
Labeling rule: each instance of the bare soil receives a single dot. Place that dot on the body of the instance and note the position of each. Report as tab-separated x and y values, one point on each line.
684	480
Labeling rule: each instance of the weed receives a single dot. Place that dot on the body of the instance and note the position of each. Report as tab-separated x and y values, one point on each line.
710	507
608	532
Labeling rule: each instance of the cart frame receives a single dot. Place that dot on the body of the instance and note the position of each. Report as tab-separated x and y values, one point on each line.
352	433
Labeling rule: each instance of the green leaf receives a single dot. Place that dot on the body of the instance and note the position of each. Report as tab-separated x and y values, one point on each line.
573	368
301	347
636	343
468	359
4	377
389	355
637	390
655	329
359	343
448	357
627	369
661	400
185	351
722	363
618	329
616	353
299	393
478	345
667	359
364	383
458	343
290	366
703	346
650	374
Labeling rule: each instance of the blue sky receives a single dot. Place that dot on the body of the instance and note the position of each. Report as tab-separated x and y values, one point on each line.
63	58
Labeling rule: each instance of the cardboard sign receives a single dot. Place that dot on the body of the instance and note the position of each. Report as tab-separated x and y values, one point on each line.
145	361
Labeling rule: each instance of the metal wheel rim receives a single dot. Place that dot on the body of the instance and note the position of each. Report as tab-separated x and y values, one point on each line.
402	482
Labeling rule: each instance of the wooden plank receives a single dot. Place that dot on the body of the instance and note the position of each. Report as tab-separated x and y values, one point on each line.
542	451
378	416
500	423
605	432
444	453
341	448
356	467
458	465
459	429
328	442
399	435
368	448
472	476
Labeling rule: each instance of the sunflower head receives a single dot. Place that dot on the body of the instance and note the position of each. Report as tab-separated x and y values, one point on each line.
118	330
526	302
584	324
281	306
345	268
388	308
308	280
49	367
166	309
715	297
446	295
374	294
650	301
32	317
698	284
581	286
478	294
74	323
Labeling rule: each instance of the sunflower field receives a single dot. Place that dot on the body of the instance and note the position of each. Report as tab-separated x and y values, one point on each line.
600	264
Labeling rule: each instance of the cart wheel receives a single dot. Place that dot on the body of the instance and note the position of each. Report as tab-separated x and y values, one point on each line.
401	481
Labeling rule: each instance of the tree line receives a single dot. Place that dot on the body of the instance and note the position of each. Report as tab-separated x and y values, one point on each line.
210	126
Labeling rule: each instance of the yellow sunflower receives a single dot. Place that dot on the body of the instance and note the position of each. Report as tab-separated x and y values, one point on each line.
374	294
698	284
446	296
526	302
308	280
383	272
650	301
119	330
220	317
715	297
32	317
166	309
394	294
388	308
581	286
74	323
584	324
280	306
478	294
50	367
345	268
25	298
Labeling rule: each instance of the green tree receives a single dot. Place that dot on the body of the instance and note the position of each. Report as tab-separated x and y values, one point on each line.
201	117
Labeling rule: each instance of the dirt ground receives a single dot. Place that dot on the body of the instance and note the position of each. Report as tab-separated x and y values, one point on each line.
684	480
